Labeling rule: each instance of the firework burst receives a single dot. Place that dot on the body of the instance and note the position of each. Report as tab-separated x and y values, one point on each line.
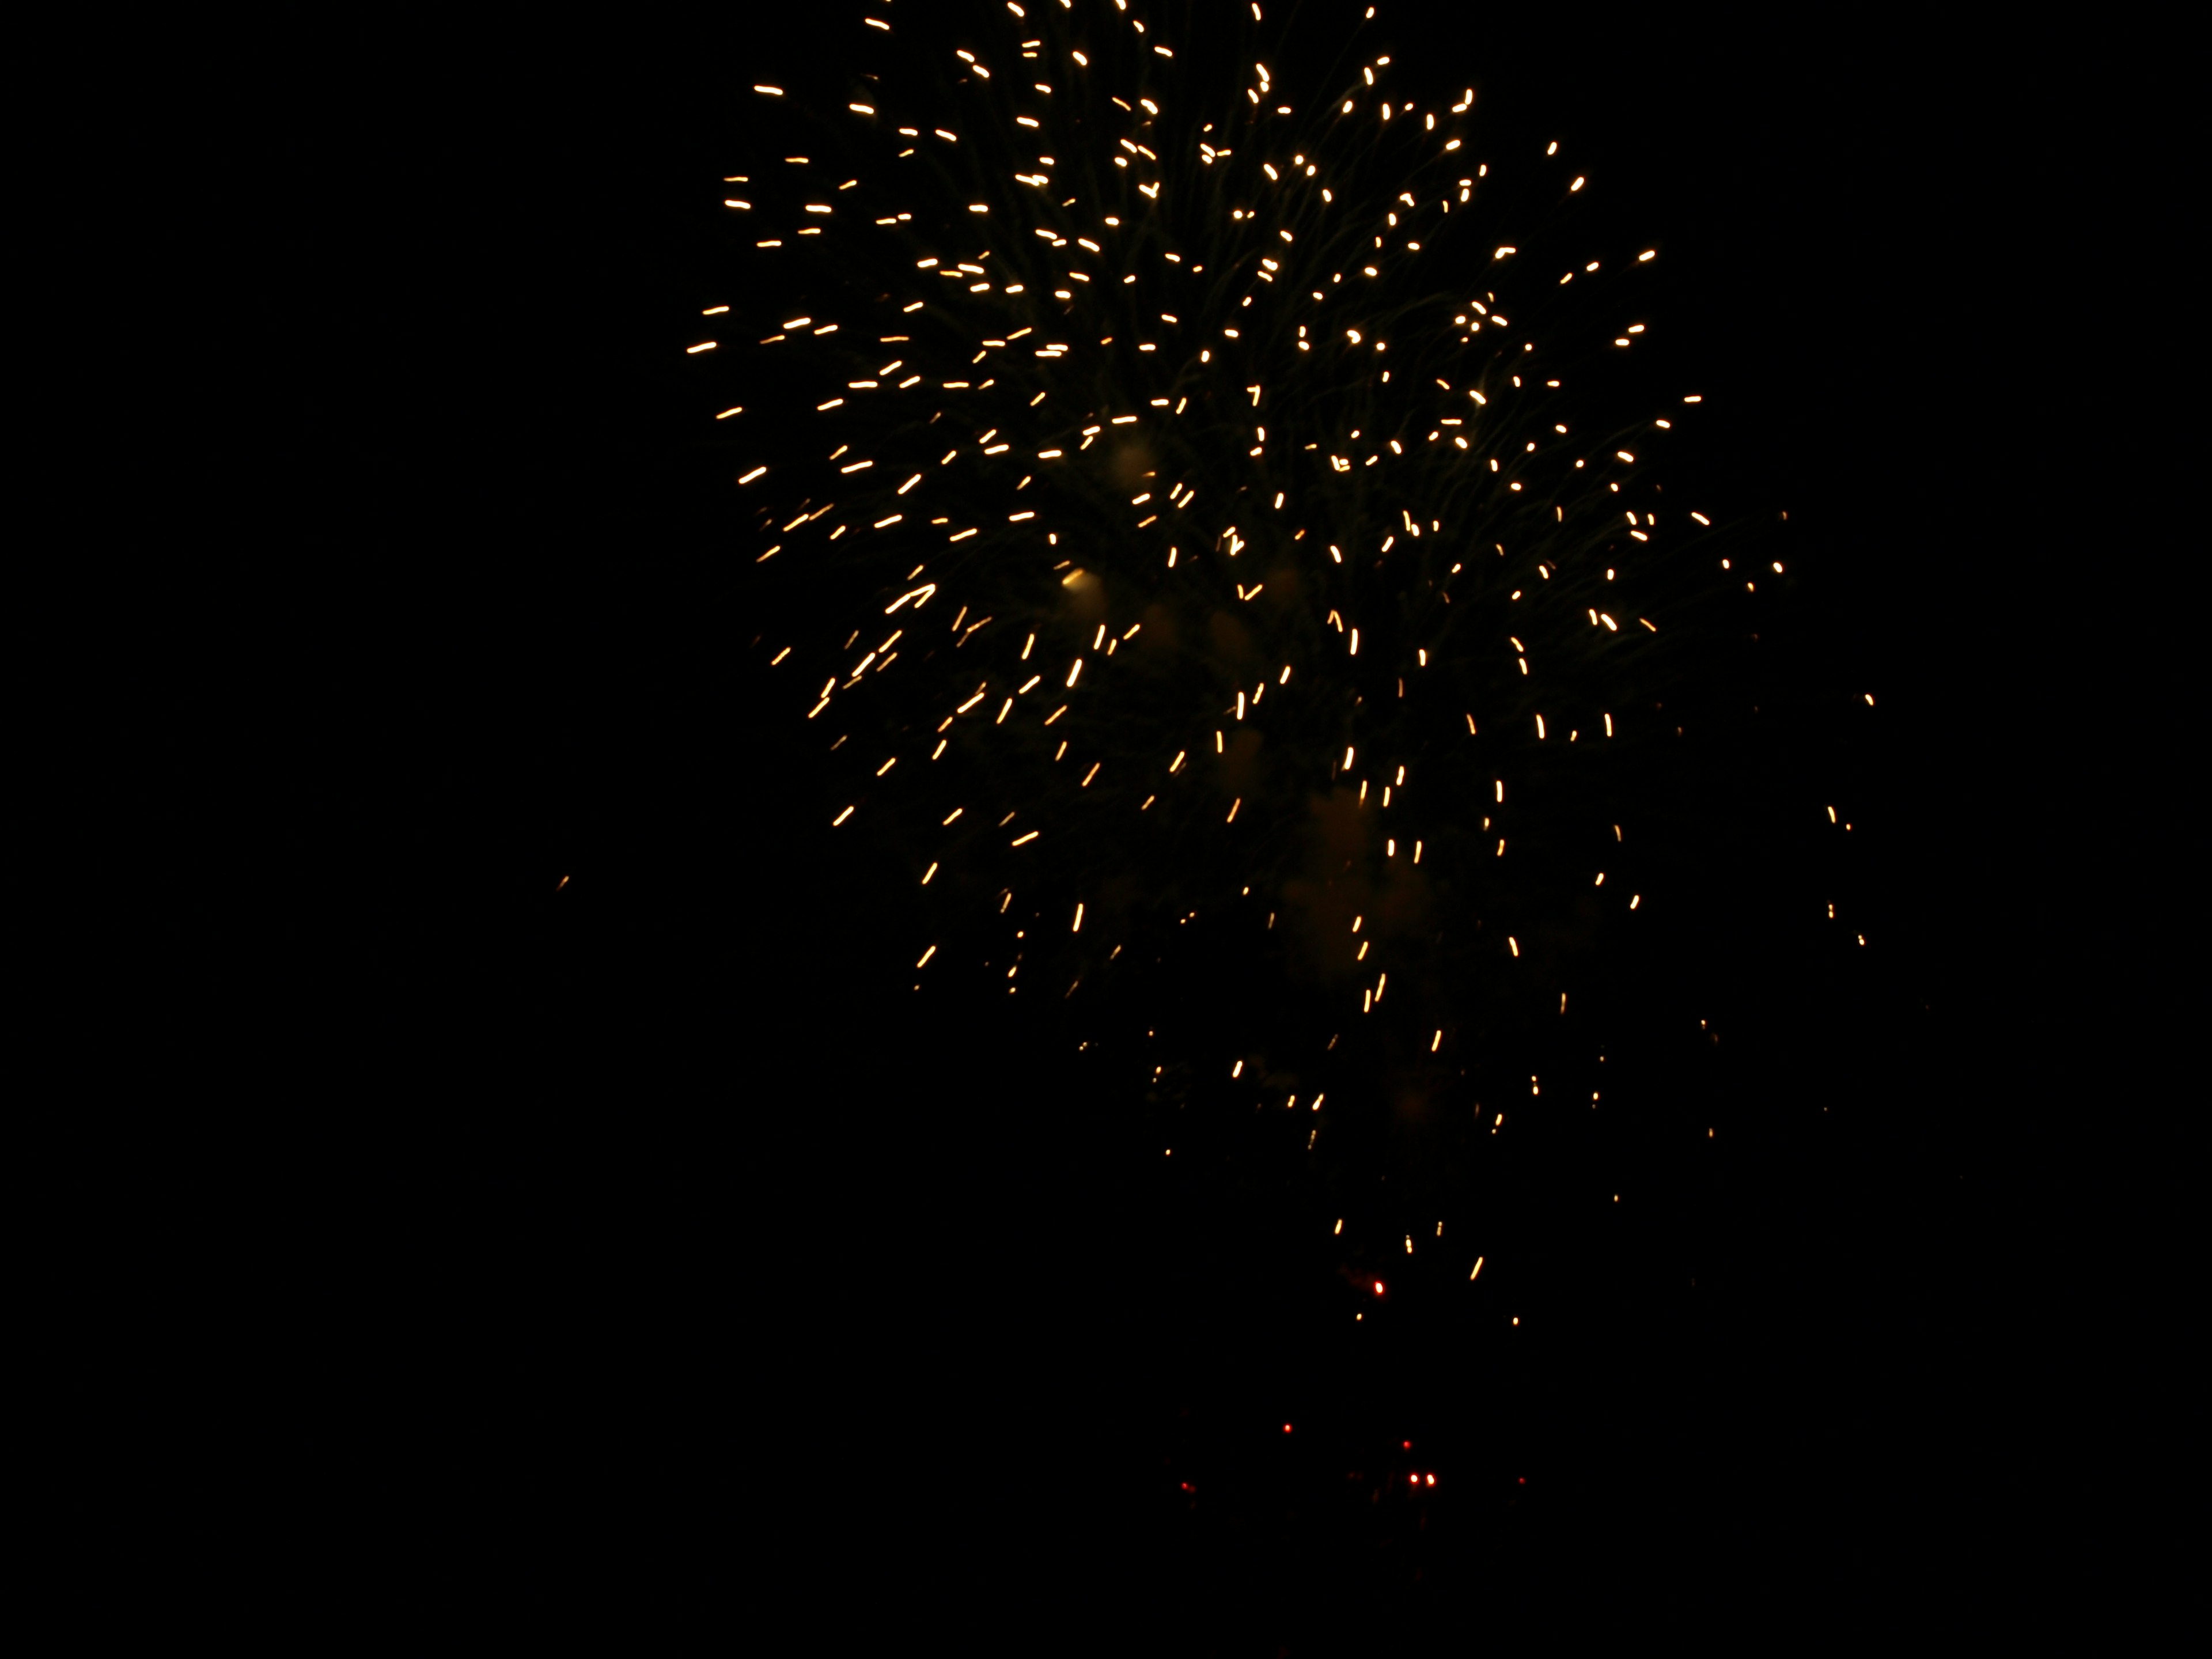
1211	507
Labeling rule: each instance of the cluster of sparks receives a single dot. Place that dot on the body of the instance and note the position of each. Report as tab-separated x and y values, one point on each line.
1197	460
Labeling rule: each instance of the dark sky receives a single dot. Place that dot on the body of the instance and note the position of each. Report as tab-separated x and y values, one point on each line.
689	1202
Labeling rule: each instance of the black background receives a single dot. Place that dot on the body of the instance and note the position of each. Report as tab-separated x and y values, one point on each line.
678	1269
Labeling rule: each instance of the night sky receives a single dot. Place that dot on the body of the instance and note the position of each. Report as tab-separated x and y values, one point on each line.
705	1261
